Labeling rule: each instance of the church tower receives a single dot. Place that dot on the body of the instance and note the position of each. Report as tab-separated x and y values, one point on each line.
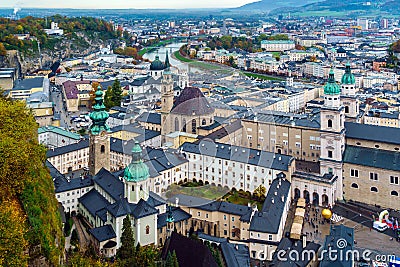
332	134
170	222
99	138
136	174
349	99
167	101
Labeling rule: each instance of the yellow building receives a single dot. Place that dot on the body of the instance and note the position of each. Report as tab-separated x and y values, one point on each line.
176	139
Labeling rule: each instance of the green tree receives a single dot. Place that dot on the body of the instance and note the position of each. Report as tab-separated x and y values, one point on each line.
116	93
174	260
107	98
260	192
126	253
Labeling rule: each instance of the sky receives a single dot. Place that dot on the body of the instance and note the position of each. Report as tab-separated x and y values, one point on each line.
139	4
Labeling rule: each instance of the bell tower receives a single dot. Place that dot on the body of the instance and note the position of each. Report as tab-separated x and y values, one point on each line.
136	174
332	133
348	98
167	101
99	138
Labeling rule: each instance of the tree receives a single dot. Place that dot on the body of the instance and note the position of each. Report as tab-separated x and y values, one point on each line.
107	98
92	93
116	93
3	50
260	192
126	253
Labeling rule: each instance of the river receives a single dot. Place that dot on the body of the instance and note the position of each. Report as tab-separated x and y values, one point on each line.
161	51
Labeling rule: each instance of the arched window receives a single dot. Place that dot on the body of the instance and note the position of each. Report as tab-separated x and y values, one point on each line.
102	149
329	123
394	193
133	188
194	126
176	124
374	189
184	125
203	122
354	185
147	229
346	109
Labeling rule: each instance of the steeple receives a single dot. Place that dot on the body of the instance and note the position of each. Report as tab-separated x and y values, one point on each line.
99	115
167	64
136	170
331	87
348	77
170	217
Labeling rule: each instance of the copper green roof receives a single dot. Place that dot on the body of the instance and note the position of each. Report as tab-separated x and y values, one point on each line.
136	170
166	63
348	77
170	217
99	115
331	87
157	64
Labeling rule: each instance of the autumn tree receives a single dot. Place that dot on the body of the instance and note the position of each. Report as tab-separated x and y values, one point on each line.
3	50
92	93
260	192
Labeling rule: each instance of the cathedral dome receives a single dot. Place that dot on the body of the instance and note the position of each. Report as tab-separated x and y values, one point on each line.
348	77
99	115
136	170
191	102
331	87
157	64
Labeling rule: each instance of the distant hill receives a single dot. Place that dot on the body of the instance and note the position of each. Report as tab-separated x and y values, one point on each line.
340	7
268	5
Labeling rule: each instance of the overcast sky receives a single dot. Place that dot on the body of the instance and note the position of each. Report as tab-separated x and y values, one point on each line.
125	3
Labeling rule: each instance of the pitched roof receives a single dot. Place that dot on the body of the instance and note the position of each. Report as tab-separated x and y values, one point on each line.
191	102
239	154
338	232
66	149
289	246
103	233
149	117
372	133
109	183
93	202
235	255
178	214
371	157
268	219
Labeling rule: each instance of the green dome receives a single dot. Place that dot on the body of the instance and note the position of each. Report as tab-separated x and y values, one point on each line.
157	64
348	77
99	115
136	170
331	87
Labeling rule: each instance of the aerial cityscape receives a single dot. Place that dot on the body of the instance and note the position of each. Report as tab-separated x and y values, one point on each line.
209	133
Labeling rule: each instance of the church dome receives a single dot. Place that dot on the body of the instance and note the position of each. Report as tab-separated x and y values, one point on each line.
331	87
157	64
191	102
348	77
99	115
136	171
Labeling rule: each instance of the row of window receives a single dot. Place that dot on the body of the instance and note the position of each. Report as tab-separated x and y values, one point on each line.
373	176
375	190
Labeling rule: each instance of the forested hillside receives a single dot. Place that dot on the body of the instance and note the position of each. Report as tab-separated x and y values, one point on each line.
30	224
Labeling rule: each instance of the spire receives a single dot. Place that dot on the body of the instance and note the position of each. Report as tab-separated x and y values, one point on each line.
167	64
99	115
136	152
348	77
170	217
331	87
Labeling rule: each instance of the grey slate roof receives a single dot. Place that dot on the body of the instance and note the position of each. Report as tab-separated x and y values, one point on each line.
103	233
331	243
311	120
235	255
61	184
191	101
225	207
149	117
372	133
239	154
93	202
377	158
66	149
122	207
178	214
109	183
288	246
269	218
28	84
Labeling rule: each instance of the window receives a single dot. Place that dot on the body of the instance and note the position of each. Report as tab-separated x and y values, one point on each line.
354	185
329	123
203	122
298	144
353	173
374	189
233	219
207	215
373	176
224	217
102	149
394	180
270	237
330	153
147	229
198	213
176	124
194	126
394	193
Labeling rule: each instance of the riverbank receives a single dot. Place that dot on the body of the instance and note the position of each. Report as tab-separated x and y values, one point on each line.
214	66
155	46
